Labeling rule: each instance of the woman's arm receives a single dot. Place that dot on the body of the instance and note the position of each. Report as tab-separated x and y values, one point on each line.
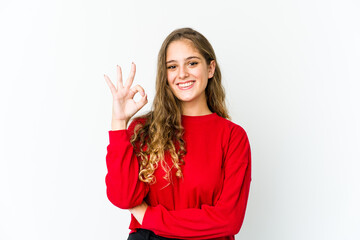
124	189
223	219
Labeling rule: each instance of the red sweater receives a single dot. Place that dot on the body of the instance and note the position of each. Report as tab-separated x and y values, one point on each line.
209	202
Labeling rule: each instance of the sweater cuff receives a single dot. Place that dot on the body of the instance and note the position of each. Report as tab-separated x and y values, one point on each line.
118	136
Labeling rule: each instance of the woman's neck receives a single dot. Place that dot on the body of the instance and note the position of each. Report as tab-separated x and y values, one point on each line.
195	110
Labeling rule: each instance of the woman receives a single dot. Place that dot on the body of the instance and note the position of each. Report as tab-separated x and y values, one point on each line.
201	188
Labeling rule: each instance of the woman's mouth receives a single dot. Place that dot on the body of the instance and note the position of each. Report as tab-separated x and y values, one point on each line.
185	86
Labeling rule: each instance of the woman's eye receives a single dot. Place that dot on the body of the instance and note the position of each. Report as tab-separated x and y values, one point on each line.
170	67
193	63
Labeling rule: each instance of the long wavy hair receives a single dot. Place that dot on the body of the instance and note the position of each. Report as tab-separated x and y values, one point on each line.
162	130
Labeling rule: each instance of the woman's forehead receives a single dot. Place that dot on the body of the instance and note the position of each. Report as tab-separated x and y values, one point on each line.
181	49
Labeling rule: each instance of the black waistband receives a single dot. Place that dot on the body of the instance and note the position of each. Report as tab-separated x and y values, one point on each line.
144	234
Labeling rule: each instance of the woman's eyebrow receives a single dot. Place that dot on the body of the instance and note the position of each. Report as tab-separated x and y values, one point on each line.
185	59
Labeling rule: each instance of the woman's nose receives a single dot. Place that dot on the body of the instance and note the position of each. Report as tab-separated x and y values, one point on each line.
183	72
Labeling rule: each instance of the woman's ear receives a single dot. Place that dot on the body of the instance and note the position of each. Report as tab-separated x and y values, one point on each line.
211	69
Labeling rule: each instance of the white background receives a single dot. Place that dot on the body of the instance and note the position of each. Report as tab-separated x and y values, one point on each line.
291	74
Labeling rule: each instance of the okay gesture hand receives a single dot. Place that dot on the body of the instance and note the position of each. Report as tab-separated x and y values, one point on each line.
124	106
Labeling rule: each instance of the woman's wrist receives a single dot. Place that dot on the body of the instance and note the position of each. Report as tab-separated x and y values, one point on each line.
118	124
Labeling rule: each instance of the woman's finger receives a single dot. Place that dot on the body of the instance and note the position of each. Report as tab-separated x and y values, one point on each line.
142	102
135	89
119	77
130	79
110	84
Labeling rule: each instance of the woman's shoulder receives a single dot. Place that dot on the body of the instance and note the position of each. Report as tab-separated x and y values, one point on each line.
233	133
230	125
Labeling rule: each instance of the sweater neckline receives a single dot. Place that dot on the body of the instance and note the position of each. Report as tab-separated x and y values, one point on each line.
187	118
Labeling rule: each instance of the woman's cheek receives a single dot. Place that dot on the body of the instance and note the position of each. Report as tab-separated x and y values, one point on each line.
171	77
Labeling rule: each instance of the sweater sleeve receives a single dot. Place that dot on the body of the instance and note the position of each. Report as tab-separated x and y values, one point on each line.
123	187
223	219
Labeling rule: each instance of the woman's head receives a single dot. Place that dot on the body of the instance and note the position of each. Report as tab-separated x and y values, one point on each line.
166	92
187	75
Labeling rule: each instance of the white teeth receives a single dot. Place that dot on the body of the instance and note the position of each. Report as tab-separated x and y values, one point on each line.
186	84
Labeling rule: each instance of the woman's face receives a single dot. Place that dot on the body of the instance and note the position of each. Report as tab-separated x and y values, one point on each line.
187	71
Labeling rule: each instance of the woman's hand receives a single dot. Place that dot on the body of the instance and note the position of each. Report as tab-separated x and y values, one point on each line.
139	211
124	106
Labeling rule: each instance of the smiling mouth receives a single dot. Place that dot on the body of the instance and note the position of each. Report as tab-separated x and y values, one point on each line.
186	85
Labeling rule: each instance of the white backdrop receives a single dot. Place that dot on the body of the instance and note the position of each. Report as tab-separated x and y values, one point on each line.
291	74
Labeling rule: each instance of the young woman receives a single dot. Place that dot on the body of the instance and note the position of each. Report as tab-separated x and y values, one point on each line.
183	169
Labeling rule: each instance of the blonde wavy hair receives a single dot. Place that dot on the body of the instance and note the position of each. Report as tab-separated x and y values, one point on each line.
162	131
